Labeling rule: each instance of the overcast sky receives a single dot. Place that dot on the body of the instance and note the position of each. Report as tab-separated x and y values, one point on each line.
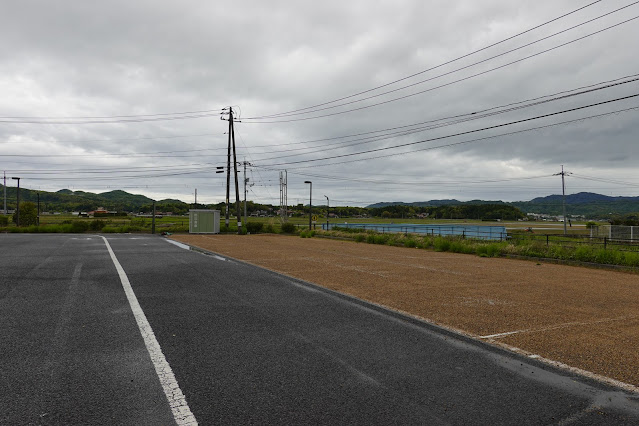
127	95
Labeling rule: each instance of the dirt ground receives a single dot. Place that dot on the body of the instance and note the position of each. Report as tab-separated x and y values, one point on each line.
581	317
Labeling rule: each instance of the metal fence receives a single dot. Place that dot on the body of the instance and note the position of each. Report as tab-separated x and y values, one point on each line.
494	233
574	241
615	232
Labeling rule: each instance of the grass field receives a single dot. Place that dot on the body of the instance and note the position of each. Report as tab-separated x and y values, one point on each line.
181	223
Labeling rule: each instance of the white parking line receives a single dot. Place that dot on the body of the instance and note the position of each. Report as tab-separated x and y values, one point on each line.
179	407
180	245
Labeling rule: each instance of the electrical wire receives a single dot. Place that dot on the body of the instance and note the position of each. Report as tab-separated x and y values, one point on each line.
217	111
460	133
472	140
435	67
366	140
453	71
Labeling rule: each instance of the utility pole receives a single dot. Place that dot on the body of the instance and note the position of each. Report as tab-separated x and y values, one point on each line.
237	189
153	220
246	180
17	202
328	209
195	198
283	196
228	175
5	193
310	203
563	191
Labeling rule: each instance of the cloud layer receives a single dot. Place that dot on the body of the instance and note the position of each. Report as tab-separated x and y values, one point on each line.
125	63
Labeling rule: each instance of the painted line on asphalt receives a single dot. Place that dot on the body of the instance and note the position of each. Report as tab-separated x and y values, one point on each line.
187	247
179	407
180	245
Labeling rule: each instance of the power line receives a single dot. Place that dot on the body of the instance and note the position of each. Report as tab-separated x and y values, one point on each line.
471	117
446	84
116	139
473	140
115	116
114	121
461	133
456	70
435	67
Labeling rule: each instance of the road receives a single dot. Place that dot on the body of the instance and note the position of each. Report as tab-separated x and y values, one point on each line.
237	344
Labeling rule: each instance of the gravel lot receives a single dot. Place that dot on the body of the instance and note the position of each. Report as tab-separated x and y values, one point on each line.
585	318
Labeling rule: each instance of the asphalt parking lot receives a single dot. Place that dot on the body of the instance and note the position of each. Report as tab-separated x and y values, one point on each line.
238	344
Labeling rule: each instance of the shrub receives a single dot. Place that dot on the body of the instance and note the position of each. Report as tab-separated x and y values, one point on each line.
269	228
349	230
288	228
584	254
4	220
493	250
254	227
28	214
360	238
441	244
96	225
380	239
456	247
631	259
410	243
79	227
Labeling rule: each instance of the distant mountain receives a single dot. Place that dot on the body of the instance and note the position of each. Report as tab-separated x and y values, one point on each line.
68	200
582	198
591	205
431	203
588	204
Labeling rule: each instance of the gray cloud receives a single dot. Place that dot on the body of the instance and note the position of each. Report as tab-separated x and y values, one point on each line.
119	58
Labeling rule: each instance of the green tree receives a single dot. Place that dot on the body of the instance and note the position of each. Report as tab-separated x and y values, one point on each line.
28	214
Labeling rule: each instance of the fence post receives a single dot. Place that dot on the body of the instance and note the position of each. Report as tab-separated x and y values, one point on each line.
547	240
605	242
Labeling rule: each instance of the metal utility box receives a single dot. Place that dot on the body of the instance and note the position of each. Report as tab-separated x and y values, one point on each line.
204	221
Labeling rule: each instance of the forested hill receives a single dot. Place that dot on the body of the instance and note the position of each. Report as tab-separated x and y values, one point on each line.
587	204
67	200
591	205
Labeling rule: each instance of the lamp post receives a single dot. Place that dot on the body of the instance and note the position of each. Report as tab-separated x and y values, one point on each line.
310	203
328	209
18	202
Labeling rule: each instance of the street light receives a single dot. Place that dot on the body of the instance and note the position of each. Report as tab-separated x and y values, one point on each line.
310	203
328	209
18	205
